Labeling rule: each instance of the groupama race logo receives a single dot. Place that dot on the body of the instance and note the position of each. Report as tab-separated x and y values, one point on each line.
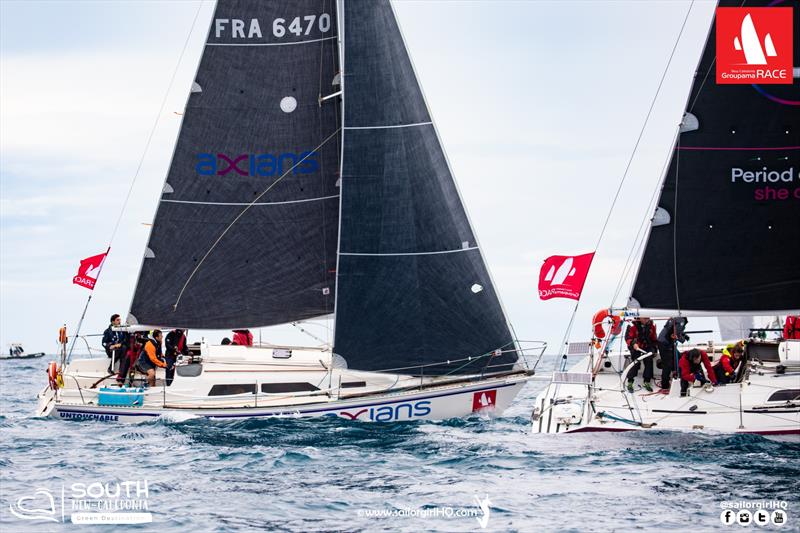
262	165
754	45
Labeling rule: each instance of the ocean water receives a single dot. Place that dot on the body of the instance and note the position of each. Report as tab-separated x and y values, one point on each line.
335	475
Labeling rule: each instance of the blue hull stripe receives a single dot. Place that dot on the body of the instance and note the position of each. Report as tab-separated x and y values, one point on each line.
287	409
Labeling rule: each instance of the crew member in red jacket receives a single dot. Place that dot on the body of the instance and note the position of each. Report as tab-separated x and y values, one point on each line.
692	370
242	337
641	338
725	369
791	329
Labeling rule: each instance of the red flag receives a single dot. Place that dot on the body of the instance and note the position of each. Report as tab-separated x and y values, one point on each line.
88	271
563	276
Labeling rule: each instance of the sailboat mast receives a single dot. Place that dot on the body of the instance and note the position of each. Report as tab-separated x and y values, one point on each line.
340	42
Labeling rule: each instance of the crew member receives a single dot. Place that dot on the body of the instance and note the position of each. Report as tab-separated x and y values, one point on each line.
725	369
791	328
641	338
671	334
175	344
151	358
691	369
115	343
242	337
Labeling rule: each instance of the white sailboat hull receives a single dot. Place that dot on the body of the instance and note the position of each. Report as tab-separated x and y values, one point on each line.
370	396
753	406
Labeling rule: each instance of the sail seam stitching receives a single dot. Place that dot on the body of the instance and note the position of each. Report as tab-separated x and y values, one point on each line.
272	44
412	253
248	203
387	127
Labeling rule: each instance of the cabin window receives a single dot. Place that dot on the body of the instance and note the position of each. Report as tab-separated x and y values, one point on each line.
274	388
234	388
785	395
353	384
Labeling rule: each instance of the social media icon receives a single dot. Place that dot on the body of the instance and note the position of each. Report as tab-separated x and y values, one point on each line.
779	517
727	517
761	517
743	517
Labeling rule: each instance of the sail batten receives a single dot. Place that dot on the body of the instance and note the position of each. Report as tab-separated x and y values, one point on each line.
730	242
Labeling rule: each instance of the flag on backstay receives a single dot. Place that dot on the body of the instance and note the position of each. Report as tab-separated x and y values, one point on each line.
563	276
89	270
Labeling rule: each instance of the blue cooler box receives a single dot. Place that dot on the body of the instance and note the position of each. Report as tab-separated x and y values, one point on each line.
121	396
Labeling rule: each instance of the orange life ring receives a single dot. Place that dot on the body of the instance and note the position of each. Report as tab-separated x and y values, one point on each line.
62	335
52	375
599	319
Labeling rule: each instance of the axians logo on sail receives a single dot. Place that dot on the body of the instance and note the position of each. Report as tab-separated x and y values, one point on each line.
754	45
263	165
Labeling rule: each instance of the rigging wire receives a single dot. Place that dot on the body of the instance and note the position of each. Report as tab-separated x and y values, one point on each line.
630	160
641	236
136	173
155	124
247	208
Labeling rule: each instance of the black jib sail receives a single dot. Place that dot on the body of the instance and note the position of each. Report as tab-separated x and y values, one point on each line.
412	286
726	236
254	122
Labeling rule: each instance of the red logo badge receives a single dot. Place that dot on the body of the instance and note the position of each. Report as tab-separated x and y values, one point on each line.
484	400
563	276
754	45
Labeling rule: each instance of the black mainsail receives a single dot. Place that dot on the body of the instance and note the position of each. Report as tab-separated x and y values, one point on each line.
253	122
412	287
723	240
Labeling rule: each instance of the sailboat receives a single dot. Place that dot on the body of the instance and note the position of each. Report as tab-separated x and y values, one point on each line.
308	181
718	245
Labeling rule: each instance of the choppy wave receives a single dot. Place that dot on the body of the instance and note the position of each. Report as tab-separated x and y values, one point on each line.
325	474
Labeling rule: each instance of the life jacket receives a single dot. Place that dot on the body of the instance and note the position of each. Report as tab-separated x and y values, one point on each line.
727	363
242	337
154	355
791	329
688	367
641	334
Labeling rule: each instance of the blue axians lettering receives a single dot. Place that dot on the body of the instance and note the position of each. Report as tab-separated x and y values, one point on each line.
262	165
390	413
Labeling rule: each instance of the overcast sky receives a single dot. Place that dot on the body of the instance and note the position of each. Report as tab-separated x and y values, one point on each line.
538	105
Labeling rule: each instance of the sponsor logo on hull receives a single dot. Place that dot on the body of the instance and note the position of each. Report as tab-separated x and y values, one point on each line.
388	413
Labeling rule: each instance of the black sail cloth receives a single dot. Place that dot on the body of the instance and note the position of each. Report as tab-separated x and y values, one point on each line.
412	286
736	244
253	119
